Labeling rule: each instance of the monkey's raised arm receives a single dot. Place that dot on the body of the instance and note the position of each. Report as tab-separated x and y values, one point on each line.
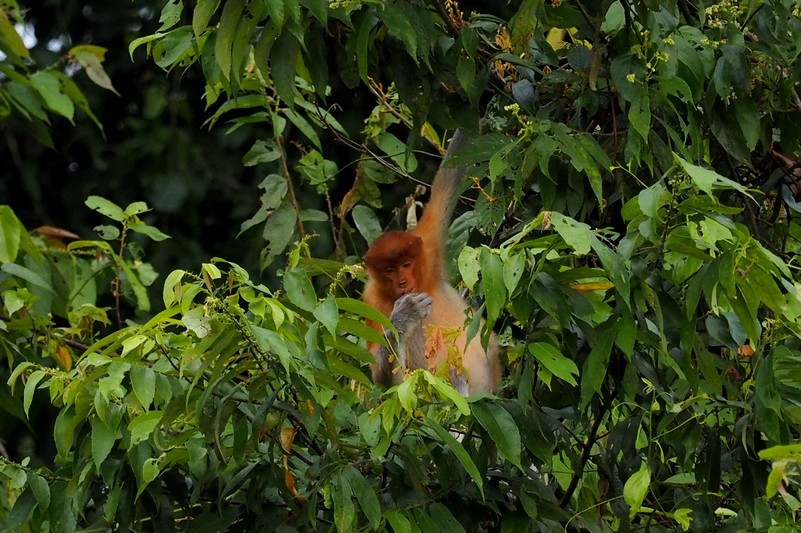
445	189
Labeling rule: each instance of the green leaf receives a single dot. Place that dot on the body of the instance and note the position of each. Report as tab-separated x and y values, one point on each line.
304	126
40	489
11	230
556	363
652	198
626	334
262	152
367	223
361	330
28	275
26	100
277	12
399	523
30	388
363	33
149	231
708	180
272	343
49	86
143	382
344	509
171	287
138	288
614	20
328	314
283	63
597	362
136	43
791	452
108	233
12	380
195	320
370	428
103	439
469	266
279	231
365	495
143	426
748	119
64	430
150	471
318	8
364	310
202	15
226	33
407	396
683	518
211	270
444	519
91	58
396	150
14	42
446	390
640	116
493	283
132	343
299	289
466	72
501	428
171	14
513	268
400	26
575	234
458	450
636	488
106	208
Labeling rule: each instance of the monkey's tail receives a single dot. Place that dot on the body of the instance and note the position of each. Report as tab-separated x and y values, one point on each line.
445	189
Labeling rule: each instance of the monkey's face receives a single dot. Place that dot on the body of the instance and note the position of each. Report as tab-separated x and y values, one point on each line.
400	277
391	262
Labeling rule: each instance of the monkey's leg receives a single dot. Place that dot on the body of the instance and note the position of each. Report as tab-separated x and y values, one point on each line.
407	317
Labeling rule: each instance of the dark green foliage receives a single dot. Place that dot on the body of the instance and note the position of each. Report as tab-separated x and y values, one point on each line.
631	238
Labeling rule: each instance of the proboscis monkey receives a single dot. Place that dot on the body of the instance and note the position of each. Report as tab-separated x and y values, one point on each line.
407	283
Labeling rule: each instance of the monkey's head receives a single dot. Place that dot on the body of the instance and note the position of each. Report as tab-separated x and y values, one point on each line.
393	262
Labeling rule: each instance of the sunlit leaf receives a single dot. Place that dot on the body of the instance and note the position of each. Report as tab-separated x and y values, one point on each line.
91	58
556	363
636	487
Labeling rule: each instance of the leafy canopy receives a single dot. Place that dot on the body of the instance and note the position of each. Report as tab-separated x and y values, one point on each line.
631	237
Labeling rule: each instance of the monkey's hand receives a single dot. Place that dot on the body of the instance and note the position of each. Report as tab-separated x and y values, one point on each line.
409	311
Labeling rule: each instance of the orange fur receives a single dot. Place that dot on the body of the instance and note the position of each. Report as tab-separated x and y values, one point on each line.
428	274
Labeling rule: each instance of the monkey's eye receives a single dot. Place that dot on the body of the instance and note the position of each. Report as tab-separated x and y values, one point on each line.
407	264
389	270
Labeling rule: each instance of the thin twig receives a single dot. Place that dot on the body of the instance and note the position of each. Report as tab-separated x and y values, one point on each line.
115	283
279	141
585	455
337	245
453	30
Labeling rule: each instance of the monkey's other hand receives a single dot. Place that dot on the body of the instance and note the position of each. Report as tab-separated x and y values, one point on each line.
411	309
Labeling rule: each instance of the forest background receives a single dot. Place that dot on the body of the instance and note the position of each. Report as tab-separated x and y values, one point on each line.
188	190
